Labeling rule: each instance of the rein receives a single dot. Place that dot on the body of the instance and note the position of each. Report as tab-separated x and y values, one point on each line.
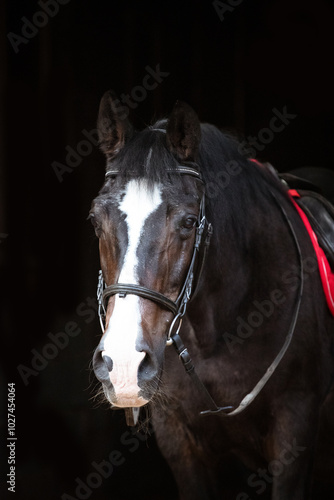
178	308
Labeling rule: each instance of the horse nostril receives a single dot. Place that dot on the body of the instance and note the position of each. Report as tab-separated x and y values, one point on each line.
108	361
101	367
147	369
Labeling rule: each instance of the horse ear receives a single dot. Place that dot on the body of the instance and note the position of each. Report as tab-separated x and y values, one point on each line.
112	125
184	131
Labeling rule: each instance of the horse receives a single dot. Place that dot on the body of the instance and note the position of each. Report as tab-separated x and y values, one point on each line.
202	248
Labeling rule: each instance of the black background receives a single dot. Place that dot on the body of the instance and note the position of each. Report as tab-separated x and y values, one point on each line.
234	71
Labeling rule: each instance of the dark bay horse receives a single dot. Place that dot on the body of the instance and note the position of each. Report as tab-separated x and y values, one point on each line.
249	307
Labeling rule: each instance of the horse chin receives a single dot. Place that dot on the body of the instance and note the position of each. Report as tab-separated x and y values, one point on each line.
124	400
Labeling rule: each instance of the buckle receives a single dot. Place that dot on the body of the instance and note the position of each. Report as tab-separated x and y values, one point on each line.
101	309
170	335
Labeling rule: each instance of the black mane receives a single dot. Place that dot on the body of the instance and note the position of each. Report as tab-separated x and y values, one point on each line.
229	174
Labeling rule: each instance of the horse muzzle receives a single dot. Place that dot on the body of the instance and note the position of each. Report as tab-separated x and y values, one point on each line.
128	381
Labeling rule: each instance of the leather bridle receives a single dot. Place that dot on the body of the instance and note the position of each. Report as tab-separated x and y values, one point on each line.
188	290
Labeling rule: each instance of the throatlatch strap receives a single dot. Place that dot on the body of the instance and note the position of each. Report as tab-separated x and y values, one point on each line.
190	369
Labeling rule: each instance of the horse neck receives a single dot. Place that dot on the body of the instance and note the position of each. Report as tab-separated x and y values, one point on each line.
246	261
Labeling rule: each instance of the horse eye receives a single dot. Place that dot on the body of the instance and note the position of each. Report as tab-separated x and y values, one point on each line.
189	222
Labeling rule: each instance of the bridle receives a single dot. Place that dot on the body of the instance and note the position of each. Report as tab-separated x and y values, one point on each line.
188	291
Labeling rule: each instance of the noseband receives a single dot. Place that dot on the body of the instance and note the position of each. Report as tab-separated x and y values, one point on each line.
178	308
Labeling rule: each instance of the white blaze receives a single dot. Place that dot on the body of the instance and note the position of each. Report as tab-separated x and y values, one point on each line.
125	323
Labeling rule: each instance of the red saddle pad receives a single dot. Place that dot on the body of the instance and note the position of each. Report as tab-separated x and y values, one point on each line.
326	274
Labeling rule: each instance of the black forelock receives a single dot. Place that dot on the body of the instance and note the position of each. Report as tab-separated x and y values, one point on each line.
146	156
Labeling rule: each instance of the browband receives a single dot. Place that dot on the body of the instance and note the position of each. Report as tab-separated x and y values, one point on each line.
180	169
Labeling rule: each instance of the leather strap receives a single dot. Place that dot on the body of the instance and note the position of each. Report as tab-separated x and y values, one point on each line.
179	169
190	369
146	293
249	398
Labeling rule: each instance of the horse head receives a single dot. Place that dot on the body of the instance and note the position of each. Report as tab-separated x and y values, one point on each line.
146	218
